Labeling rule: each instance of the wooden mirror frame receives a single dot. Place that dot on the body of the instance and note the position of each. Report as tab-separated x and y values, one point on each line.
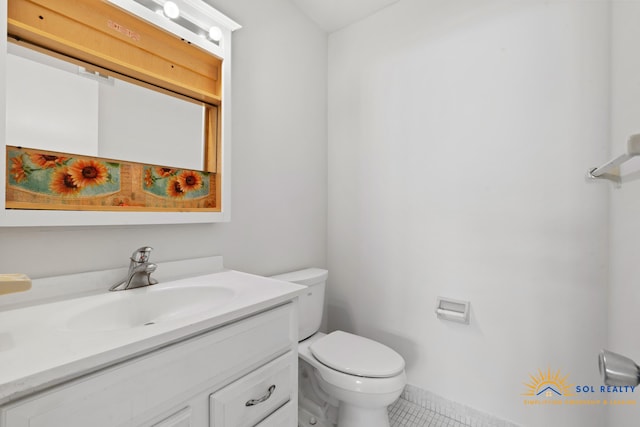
131	47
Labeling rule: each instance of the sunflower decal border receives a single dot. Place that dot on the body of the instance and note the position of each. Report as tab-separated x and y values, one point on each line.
175	183
38	179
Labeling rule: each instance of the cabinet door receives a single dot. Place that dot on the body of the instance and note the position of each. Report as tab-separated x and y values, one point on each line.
182	418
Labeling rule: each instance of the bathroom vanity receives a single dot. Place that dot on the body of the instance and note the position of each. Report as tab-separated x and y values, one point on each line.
213	350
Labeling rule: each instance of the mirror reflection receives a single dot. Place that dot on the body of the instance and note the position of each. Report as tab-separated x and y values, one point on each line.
59	106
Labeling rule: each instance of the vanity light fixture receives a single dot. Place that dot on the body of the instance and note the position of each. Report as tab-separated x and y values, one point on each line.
215	34
171	10
194	21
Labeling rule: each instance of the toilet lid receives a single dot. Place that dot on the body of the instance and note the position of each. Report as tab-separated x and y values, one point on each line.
356	355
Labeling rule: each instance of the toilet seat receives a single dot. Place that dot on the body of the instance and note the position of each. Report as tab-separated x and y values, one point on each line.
356	355
352	383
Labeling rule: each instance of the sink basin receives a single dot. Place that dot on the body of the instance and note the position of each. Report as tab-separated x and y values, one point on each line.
148	306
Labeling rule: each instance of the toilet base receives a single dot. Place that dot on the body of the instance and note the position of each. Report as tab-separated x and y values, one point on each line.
354	416
307	419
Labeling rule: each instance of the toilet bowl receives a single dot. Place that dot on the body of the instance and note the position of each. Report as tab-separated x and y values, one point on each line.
351	376
363	400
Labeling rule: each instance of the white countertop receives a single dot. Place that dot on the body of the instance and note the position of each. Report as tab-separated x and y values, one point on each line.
38	349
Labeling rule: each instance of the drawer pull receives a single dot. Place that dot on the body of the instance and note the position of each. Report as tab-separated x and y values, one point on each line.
253	402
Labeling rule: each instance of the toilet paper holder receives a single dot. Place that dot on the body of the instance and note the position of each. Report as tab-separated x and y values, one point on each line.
454	310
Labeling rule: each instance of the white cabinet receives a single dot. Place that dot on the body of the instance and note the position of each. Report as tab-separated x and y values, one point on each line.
182	418
205	380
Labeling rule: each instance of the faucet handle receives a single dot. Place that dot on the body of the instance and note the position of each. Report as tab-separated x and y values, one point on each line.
142	254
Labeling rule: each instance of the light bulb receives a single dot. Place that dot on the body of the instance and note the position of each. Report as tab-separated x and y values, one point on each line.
215	34
171	10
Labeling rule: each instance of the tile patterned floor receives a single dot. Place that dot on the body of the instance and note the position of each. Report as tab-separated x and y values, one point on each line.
421	408
407	414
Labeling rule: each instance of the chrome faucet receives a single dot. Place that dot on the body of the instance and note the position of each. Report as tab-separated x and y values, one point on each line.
140	270
618	370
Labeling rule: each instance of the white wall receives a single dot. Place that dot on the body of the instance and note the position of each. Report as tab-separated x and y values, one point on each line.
624	294
279	166
459	137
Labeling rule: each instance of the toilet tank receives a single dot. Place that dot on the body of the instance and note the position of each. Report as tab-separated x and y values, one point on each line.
311	302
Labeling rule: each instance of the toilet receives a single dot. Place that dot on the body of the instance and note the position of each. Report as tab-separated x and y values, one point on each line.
345	380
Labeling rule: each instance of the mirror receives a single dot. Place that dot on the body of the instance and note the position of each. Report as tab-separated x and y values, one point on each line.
56	105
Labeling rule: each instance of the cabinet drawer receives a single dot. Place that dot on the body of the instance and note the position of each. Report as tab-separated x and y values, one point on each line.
254	397
283	417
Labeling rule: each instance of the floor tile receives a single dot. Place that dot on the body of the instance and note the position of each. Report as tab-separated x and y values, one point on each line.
406	414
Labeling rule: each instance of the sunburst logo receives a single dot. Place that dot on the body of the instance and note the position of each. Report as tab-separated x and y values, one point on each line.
548	384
